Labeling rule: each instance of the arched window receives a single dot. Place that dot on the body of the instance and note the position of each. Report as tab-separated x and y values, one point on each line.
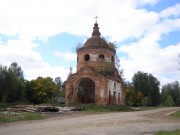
101	57
86	57
114	86
112	59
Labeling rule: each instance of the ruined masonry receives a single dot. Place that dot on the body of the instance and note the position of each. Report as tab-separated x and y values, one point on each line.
97	80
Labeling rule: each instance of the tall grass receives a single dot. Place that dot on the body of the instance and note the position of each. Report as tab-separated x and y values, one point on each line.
103	108
10	117
176	114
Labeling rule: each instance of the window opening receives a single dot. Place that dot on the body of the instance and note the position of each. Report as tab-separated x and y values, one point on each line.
101	57
114	94
86	57
109	95
112	59
118	97
114	86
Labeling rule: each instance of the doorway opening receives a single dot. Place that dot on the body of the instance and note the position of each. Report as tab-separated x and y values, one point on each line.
86	91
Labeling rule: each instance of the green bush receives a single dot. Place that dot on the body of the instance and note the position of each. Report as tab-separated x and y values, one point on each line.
146	101
169	101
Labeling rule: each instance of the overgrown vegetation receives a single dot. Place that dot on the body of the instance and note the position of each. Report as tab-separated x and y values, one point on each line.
103	108
171	94
176	114
176	132
10	117
143	91
107	68
15	88
113	45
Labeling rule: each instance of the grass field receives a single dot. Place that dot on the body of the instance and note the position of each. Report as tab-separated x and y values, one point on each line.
176	114
13	117
104	108
176	132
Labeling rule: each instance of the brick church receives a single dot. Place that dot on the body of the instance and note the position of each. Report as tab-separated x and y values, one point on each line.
97	80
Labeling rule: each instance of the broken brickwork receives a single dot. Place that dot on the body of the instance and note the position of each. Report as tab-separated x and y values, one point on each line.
96	80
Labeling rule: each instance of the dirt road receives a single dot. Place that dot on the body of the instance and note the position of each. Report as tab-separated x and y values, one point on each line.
121	123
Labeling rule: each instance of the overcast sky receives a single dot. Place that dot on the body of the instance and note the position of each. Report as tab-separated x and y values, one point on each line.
41	35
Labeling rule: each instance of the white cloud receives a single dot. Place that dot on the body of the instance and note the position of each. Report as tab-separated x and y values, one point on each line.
119	19
48	70
67	56
30	61
146	55
44	18
144	2
171	11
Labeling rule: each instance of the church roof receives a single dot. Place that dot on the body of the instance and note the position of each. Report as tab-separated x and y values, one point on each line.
96	40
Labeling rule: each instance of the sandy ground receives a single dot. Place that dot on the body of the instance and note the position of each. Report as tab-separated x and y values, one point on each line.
121	123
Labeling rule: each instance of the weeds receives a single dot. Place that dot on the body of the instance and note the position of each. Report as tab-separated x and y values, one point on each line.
13	117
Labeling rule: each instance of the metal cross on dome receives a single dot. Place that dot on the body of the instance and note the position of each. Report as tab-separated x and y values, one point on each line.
95	18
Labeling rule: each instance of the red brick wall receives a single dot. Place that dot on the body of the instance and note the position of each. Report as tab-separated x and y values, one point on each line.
108	53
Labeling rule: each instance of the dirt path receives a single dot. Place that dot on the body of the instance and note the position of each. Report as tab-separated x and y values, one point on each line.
122	123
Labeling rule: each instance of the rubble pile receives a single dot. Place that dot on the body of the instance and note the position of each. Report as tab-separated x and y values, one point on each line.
41	108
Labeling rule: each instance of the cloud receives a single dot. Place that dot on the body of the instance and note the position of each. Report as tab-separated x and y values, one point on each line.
147	55
67	56
171	11
30	61
30	19
48	70
118	19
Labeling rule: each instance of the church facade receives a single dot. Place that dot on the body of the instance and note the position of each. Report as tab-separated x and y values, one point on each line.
96	80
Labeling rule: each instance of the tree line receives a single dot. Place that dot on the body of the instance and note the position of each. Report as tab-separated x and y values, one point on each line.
14	87
142	91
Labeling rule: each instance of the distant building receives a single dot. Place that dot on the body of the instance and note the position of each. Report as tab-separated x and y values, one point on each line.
96	80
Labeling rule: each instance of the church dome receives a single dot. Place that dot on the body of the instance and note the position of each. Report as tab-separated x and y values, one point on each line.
96	40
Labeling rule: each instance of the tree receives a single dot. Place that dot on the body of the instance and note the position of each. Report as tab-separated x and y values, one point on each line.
42	90
11	83
138	98
179	60
129	96
148	85
114	46
172	89
169	101
146	101
16	70
58	82
3	71
154	93
61	87
29	92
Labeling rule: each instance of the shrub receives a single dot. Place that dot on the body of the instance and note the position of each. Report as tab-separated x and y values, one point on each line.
169	101
146	101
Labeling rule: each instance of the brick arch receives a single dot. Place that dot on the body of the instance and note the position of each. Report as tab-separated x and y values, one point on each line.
86	57
85	90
